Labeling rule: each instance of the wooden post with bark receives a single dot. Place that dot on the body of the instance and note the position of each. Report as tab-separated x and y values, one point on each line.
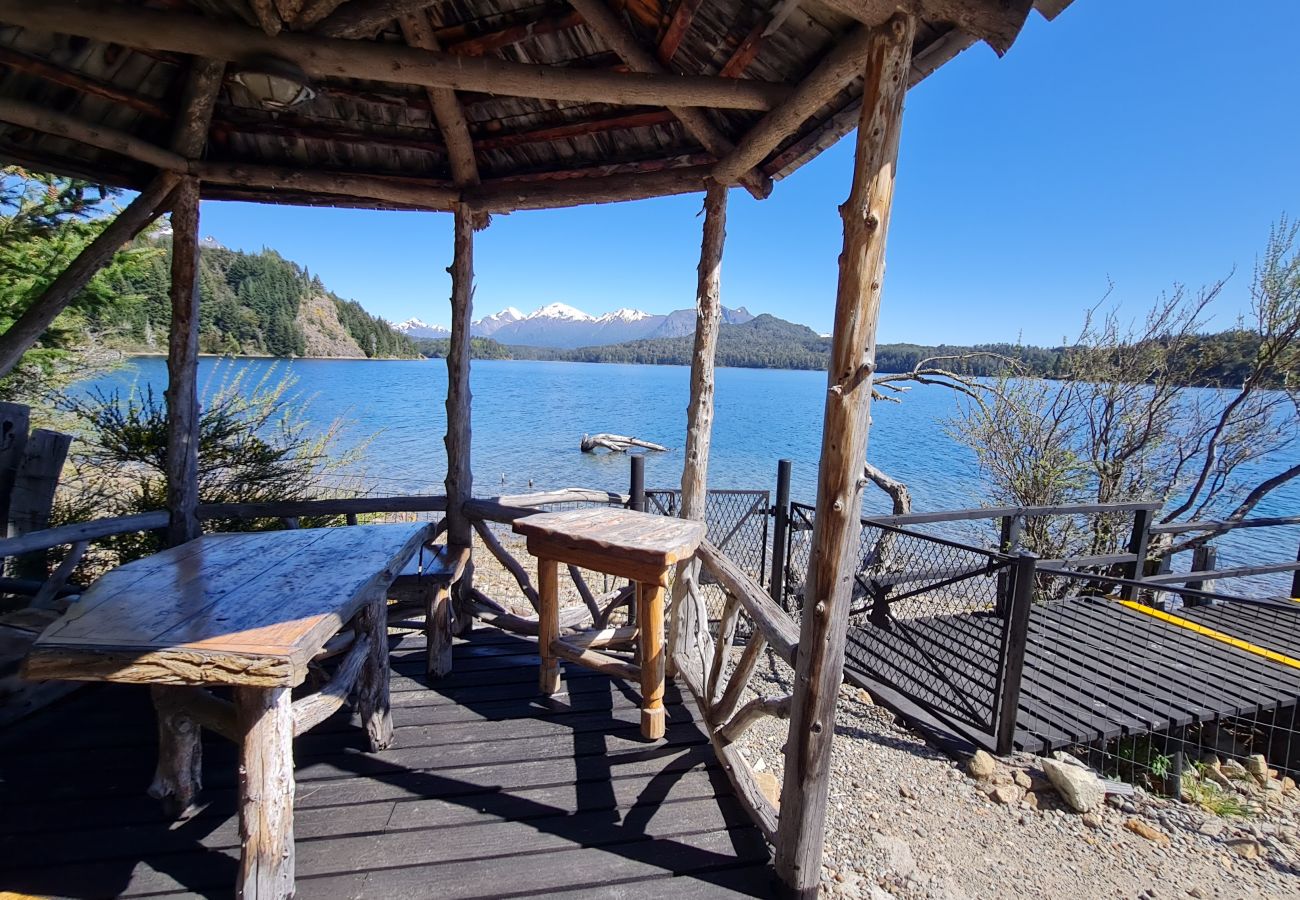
829	585
182	369
460	478
690	643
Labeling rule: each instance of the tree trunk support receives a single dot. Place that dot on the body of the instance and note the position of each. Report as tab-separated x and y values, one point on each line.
829	586
460	477
182	369
266	790
20	336
690	642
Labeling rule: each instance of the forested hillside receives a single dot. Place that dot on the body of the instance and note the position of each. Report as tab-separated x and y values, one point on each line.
250	303
767	342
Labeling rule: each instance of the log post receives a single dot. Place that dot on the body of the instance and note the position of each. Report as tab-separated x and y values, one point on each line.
125	226
780	532
266	788
460	476
829	585
182	370
179	774
689	640
372	684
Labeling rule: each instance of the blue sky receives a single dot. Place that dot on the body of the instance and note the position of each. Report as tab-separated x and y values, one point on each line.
1144	143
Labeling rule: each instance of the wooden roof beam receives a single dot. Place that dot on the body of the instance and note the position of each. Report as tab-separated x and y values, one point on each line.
678	26
325	58
313	12
202	86
447	111
490	41
606	24
834	73
507	196
366	18
267	16
30	65
996	22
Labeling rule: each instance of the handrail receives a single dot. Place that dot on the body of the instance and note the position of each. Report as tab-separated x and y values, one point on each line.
1216	574
998	512
1216	524
779	629
1185	592
93	530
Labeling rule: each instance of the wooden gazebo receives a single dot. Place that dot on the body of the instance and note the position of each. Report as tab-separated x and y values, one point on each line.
480	108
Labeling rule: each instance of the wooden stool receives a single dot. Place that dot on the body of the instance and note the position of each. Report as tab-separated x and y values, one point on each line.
424	587
626	544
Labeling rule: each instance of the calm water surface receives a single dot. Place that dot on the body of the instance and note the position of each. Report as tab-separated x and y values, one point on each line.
529	417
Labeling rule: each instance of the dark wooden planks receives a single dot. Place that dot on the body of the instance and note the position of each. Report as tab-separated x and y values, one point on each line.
1094	670
488	790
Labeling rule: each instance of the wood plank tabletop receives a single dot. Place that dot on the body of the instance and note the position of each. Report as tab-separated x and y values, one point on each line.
620	533
249	608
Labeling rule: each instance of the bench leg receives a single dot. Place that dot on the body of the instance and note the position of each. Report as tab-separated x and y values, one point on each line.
437	631
372	685
650	615
179	776
548	623
265	793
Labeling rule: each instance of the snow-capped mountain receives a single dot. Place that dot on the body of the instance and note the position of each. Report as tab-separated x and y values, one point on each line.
418	328
562	326
489	325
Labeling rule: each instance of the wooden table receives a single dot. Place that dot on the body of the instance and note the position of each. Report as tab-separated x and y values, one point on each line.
249	611
625	544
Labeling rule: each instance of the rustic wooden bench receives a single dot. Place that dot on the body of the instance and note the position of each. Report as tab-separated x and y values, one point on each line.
424	587
254	612
634	545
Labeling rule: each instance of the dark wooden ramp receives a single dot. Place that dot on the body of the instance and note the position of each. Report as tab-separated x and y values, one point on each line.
1094	671
488	791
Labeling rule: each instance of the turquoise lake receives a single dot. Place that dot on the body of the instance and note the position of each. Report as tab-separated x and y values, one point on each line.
529	416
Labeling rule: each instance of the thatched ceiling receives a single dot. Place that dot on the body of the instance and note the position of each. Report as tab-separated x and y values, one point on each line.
519	102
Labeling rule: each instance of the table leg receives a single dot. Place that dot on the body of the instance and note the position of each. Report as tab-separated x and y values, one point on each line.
650	615
548	623
372	684
265	792
179	775
437	631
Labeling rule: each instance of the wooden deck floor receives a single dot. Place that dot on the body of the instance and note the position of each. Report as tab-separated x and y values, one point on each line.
488	791
1094	671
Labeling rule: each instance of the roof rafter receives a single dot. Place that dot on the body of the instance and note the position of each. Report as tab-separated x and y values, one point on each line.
490	41
447	112
683	15
325	57
606	24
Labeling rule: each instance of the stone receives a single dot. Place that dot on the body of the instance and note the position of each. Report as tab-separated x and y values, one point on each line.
1142	829
1233	769
906	792
1021	777
1031	801
981	765
1257	766
1196	893
1092	819
864	698
1006	794
770	786
1078	787
1069	759
897	854
1211	828
1288	784
1246	848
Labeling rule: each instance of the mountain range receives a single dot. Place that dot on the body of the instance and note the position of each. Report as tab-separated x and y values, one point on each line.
561	327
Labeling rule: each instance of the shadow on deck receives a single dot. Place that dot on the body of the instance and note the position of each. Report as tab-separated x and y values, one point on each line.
488	791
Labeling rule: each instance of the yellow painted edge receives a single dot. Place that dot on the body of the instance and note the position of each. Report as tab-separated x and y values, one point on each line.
1210	633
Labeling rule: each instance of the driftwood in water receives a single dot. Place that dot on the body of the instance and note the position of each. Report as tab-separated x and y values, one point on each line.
619	443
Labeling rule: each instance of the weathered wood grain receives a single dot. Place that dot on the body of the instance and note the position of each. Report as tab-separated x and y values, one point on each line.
190	132
653	656
182	462
548	625
179	773
199	613
829	585
372	682
266	789
446	108
178	32
619	534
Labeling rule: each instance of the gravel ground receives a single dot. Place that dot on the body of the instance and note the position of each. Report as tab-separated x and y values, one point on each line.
906	821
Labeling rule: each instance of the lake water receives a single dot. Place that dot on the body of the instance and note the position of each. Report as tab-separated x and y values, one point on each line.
528	418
